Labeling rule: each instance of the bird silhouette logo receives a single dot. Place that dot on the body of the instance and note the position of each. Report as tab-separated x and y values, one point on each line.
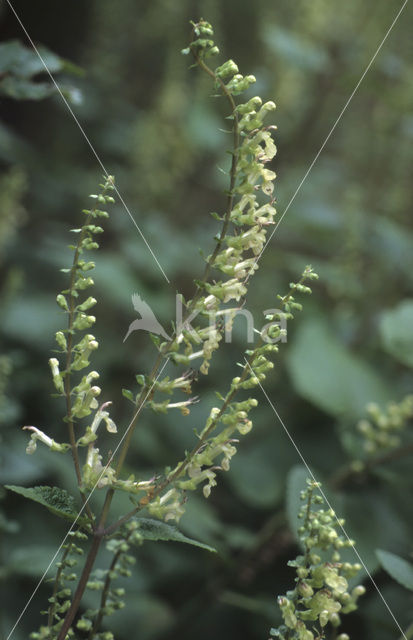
147	321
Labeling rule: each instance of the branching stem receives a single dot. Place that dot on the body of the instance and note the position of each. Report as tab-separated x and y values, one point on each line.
147	390
104	597
77	597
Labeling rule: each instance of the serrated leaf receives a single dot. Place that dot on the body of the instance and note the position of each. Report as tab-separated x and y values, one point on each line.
398	568
156	530
56	500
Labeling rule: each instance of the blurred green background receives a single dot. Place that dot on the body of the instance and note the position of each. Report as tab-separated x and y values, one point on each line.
156	127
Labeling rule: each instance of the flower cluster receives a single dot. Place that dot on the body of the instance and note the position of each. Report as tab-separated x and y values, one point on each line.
248	214
62	593
219	437
321	590
383	429
246	218
321	593
111	599
82	399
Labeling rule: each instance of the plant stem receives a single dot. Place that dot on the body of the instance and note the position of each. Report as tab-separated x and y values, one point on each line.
233	171
77	597
181	468
104	596
146	392
67	379
56	586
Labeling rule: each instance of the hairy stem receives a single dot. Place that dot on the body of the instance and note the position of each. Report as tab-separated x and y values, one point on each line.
148	389
77	597
104	597
56	586
233	170
181	468
67	378
146	392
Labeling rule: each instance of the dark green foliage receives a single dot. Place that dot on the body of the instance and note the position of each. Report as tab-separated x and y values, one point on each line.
20	67
153	125
57	500
398	568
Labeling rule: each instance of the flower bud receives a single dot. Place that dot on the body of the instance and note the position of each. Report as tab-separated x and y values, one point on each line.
304	589
57	376
87	304
229	68
62	302
61	340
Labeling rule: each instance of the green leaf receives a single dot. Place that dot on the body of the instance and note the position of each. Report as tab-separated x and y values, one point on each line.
396	330
296	482
57	500
398	568
17	59
156	530
255	477
30	560
128	394
328	374
22	89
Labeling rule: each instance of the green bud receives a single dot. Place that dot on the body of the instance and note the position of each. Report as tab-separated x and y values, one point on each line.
87	304
229	68
84	624
57	376
82	321
62	302
83	283
87	266
61	340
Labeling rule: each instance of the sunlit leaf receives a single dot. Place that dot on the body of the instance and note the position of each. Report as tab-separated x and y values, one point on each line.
156	530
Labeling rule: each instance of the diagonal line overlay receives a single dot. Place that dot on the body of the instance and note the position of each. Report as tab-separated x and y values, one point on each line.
82	131
329	505
165	276
84	505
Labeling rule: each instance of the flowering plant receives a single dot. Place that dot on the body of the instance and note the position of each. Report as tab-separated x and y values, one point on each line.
248	214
